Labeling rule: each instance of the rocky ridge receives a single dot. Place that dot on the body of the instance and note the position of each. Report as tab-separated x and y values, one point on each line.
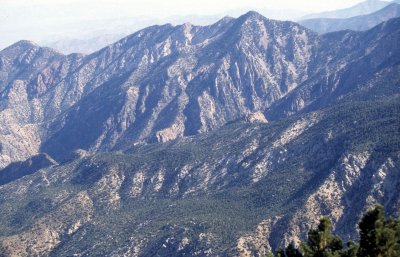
232	191
240	127
165	82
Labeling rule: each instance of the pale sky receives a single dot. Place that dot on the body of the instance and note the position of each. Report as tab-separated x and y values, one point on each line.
43	20
170	7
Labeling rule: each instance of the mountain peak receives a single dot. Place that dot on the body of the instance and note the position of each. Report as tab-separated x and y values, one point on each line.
252	15
25	44
22	44
19	48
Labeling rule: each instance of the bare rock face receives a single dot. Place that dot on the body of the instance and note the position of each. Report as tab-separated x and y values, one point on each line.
257	244
48	231
239	190
256	117
213	186
163	83
158	84
348	78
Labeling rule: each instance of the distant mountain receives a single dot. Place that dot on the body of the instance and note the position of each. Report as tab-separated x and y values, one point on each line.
220	140
357	23
367	71
165	82
363	8
97	34
85	46
160	83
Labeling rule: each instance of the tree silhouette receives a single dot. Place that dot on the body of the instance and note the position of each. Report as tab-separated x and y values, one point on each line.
379	237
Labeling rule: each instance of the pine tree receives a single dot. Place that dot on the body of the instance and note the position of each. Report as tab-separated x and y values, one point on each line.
321	242
379	237
351	250
292	251
369	225
269	254
280	252
388	238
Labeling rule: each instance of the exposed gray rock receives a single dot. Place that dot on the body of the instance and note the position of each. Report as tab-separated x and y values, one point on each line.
239	190
210	188
256	117
166	82
158	84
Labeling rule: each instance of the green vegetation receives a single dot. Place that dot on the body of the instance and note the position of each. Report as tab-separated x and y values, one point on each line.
213	215
379	237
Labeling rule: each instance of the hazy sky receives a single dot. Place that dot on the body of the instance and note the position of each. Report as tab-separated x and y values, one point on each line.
165	7
39	20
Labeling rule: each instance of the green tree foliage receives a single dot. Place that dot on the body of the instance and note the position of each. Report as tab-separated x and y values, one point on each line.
269	254
280	253
379	237
368	226
292	251
321	242
351	251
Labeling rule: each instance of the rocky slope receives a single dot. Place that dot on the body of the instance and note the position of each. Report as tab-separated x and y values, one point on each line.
223	140
166	82
361	74
357	23
18	170
202	77
27	73
239	190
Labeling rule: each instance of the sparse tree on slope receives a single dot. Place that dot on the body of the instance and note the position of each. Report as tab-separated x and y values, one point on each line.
379	237
321	242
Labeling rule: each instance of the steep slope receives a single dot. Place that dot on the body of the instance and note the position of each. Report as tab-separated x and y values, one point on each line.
225	180
363	8
23	60
358	66
166	82
27	72
227	192
358	23
18	170
225	71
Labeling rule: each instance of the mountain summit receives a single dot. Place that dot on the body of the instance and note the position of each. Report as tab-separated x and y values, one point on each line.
220	140
165	82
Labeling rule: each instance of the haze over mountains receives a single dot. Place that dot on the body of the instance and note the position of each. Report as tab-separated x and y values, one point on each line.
202	77
357	23
113	30
363	8
220	140
93	33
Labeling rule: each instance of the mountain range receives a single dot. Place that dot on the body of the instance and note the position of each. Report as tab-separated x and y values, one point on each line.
363	8
219	140
92	35
357	23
